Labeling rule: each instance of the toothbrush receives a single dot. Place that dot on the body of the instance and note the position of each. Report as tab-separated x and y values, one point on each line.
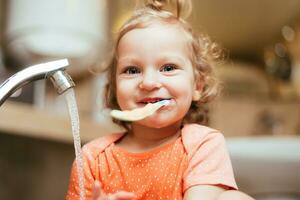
138	113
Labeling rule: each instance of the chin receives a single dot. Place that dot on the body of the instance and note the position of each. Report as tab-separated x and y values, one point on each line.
153	125
156	123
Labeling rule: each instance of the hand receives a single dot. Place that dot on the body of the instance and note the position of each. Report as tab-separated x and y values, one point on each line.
98	194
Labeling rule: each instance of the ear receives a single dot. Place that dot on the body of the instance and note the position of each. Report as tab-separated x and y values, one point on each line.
196	95
198	87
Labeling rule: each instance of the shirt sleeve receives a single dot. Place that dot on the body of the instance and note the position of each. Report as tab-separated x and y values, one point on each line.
90	153
209	163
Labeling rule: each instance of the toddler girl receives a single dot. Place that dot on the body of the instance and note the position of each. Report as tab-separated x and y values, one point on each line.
166	155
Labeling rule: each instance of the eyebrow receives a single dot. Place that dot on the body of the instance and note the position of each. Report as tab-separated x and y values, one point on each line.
164	57
127	58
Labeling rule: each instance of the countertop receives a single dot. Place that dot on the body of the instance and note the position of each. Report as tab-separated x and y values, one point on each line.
26	120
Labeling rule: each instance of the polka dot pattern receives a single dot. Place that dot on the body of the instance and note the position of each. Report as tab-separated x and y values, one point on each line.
153	175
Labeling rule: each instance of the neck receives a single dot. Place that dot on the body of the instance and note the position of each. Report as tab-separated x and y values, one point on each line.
154	136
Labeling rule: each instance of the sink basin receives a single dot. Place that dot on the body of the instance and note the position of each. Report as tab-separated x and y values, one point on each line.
267	167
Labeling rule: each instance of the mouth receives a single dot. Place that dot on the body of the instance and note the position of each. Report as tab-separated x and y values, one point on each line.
152	100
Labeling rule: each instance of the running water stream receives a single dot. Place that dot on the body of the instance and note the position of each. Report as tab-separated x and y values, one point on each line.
73	111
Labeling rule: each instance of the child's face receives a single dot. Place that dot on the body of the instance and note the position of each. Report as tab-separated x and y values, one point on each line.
153	64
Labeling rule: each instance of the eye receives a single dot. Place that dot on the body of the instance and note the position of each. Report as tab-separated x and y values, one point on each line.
168	67
131	70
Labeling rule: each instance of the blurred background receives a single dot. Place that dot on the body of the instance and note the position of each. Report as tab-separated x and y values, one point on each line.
258	111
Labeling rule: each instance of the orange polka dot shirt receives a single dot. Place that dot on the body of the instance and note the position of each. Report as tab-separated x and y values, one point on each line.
198	157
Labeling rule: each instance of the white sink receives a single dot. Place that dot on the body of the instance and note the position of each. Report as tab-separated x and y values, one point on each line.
267	167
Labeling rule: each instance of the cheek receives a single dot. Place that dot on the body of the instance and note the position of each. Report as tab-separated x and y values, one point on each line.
120	92
124	91
182	88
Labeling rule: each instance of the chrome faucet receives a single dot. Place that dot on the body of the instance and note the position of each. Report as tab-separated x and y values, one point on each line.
55	71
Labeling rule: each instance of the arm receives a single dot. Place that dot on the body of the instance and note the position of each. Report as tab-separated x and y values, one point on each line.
234	195
210	192
214	193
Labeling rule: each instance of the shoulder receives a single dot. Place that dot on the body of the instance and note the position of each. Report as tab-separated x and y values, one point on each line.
194	136
197	128
195	132
93	148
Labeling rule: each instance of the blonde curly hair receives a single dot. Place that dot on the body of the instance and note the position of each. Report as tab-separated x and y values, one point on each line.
203	53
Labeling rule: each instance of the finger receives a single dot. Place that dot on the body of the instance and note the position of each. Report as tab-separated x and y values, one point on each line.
96	192
122	195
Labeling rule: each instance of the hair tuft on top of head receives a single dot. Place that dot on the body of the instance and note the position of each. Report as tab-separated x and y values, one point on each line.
156	4
180	8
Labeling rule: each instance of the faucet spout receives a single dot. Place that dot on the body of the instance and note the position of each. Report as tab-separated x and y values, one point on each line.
53	70
62	81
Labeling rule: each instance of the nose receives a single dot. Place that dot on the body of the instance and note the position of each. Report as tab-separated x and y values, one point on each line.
150	81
